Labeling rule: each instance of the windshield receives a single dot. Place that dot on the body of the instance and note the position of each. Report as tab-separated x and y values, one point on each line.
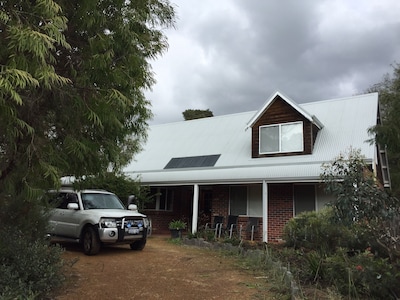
101	201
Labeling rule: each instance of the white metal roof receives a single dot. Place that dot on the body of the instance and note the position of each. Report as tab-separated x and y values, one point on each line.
345	124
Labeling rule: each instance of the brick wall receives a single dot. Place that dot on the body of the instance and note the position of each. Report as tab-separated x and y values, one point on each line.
160	220
280	209
220	202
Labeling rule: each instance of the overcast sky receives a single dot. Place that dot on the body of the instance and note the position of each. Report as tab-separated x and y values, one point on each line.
229	56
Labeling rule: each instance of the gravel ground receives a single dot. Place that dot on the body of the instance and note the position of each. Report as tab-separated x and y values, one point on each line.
163	270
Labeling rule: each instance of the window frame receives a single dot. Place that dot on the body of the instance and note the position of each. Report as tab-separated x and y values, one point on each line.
163	199
302	203
280	125
251	204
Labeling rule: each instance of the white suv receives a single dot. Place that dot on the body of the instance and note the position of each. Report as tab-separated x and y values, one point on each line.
95	218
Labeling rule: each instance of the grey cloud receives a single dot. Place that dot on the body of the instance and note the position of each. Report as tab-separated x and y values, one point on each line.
233	54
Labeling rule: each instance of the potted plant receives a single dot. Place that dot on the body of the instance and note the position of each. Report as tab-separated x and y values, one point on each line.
176	227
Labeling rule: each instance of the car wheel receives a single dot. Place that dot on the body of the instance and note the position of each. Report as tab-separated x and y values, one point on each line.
138	245
90	242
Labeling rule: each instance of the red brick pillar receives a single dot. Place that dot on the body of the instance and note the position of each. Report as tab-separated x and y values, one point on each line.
280	209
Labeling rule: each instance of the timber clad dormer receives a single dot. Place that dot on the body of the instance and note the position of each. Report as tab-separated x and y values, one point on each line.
289	130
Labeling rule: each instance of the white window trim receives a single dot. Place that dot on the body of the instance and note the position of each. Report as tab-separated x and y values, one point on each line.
280	139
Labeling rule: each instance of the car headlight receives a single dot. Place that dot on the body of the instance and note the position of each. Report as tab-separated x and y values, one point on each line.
108	223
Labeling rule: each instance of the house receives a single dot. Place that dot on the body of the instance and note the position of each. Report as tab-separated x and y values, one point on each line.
262	165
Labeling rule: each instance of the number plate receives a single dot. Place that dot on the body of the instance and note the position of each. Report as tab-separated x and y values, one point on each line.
133	230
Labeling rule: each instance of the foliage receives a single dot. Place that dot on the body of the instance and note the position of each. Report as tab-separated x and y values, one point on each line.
357	192
314	230
352	245
72	82
31	33
387	131
207	235
30	267
119	184
177	224
73	76
192	114
234	240
361	203
360	275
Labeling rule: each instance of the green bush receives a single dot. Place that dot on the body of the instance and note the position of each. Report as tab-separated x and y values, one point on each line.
119	184
346	257
207	235
29	269
234	241
362	275
314	231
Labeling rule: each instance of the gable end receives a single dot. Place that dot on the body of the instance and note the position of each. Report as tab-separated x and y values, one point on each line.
280	112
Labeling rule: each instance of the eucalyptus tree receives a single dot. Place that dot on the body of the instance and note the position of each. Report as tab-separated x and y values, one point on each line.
361	203
72	79
387	132
72	82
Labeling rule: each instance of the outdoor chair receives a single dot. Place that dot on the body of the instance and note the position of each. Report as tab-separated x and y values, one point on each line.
216	226
252	226
233	225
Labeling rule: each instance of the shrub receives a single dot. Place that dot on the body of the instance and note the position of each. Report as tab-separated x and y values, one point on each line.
234	241
362	275
362	203
313	230
207	235
119	184
29	269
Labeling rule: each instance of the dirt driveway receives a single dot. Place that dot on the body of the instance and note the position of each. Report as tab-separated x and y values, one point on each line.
163	270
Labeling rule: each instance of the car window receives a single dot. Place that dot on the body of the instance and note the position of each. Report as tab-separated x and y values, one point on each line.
61	200
101	201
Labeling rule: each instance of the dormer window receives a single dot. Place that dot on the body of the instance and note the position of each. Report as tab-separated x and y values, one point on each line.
279	138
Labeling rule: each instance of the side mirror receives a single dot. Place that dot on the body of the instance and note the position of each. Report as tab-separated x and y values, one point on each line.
132	207
73	206
131	199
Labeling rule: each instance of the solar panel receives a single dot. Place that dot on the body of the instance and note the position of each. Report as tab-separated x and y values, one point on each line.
192	161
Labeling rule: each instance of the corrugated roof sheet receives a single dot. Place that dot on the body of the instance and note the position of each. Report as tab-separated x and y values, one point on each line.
345	120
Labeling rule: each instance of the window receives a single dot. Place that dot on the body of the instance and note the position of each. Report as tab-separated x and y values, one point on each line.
238	200
246	200
254	200
101	201
281	138
61	200
162	199
304	198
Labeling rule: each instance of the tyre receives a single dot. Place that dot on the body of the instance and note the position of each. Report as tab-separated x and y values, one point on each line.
138	245
90	241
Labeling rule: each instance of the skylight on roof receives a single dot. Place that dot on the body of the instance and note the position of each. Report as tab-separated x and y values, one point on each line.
192	161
